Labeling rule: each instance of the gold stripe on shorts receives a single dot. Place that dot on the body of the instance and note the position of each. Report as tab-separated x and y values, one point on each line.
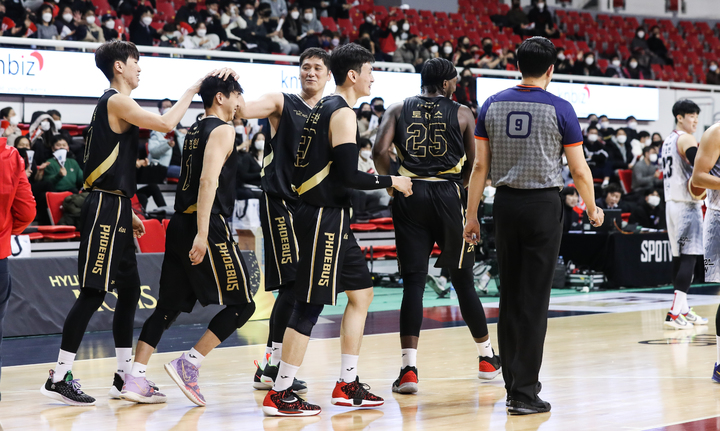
92	229
312	262
272	238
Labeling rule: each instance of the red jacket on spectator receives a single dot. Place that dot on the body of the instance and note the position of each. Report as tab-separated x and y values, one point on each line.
17	205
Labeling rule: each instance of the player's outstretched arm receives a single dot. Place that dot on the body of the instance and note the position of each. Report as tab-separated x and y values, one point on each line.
218	149
384	139
707	155
476	186
582	176
267	105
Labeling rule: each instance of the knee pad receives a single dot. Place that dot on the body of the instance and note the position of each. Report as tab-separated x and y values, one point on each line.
304	317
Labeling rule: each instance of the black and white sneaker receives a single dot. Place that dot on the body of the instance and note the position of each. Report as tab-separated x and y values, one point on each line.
67	391
269	375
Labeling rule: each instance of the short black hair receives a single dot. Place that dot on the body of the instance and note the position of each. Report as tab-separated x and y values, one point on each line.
213	85
57	138
643	134
375	99
613	188
630	118
364	142
602	116
160	103
535	56
436	71
684	107
5	112
647	150
648	192
316	53
346	58
54	112
569	190
110	52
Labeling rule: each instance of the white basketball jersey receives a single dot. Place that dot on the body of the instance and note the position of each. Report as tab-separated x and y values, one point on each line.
676	170
713	196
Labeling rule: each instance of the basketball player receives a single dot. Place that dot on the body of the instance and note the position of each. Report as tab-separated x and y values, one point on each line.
330	259
706	173
286	113
683	211
106	258
434	136
204	199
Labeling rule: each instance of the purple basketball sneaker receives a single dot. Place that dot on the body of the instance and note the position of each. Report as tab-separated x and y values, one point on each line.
185	375
139	390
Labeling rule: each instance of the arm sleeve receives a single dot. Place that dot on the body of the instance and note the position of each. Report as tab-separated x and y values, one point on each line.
568	125
23	205
345	157
480	131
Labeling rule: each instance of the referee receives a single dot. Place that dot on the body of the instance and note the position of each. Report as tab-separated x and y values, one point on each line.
520	137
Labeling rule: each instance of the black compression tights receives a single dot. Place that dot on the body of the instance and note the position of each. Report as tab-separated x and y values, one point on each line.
85	306
411	310
281	312
683	270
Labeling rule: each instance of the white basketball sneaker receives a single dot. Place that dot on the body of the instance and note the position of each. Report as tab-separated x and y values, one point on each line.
693	318
677	322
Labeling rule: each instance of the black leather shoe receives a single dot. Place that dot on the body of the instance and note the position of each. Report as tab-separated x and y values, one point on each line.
516	407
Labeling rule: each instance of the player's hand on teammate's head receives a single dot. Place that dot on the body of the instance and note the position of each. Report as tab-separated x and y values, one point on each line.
403	185
471	234
225	72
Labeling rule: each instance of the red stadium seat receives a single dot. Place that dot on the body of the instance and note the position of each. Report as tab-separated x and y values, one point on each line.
165	223
328	23
625	179
58	233
54	205
362	227
154	239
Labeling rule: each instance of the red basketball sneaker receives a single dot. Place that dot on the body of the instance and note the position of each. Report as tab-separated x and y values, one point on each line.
354	394
489	367
407	383
287	403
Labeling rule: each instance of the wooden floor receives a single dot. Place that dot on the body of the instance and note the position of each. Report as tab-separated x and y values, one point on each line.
618	371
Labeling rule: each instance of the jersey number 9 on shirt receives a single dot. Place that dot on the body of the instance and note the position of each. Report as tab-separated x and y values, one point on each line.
416	145
518	125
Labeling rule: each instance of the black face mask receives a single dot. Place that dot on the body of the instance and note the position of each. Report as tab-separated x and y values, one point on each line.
366	115
266	13
487	49
192	6
379	108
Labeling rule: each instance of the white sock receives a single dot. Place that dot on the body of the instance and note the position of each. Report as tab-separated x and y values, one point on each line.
485	349
685	307
409	357
138	370
276	353
264	362
348	368
285	377
124	360
677	304
64	364
194	357
717	343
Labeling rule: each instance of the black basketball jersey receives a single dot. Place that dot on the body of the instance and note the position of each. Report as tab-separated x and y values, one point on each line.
315	179
110	157
193	155
281	149
429	139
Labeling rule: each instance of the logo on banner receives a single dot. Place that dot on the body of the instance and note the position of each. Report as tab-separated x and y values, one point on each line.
655	251
26	65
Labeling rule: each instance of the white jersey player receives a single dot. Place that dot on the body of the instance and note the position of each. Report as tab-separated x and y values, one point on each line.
683	211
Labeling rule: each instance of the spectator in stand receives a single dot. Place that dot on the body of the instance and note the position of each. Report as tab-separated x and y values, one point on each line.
164	147
466	88
364	115
311	27
650	213
620	150
36	176
170	36
657	139
518	19
65	23
278	8
141	32
387	43
378	107
366	42
604	127
292	27
230	19
17	210
615	68
412	52
489	59
77	150
272	33
83	6
373	198
41	133
188	13
542	21
640	49
585	65
255	34
370	26
631	128
634	71
201	39
11	129
613	199
94	31
211	17
657	46
403	33
638	144
570	199
64	178
246	216
432	48
46	26
447	51
463	57
646	175
564	64
713	74
597	155
109	32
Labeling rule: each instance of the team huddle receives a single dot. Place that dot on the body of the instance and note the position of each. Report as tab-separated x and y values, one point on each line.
311	255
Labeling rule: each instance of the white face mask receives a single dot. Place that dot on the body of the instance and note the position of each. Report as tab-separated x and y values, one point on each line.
633	64
45	125
90	19
605	124
632	125
592	137
447	49
653	158
641	34
308	17
259	145
368	20
110	24
295	14
46	17
713	67
561	56
616	63
365	154
394	28
147	20
589	61
653	201
434	49
403	36
58	124
239	130
201	32
249	12
541	6
335	42
14	120
406	26
67	17
622	139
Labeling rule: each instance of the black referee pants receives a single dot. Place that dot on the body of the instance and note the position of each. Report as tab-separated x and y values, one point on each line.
528	230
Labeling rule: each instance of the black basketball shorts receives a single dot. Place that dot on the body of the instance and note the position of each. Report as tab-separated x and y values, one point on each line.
330	259
434	213
221	278
106	257
281	249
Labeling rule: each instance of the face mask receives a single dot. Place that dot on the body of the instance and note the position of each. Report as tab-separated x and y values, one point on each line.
233	12
365	154
147	20
110	24
394	28
14	120
713	67
622	139
641	34
632	125
67	17
249	12
379	108
589	61
541	6
487	49
489	191
58	124
368	20
406	26
616	63
259	145
633	64
212	11
192	6
366	114
201	32
308	17
653	158
447	50
239	130
295	14
561	56
434	49
90	19
653	201
403	36
592	137
335	42
605	124
45	126
46	17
